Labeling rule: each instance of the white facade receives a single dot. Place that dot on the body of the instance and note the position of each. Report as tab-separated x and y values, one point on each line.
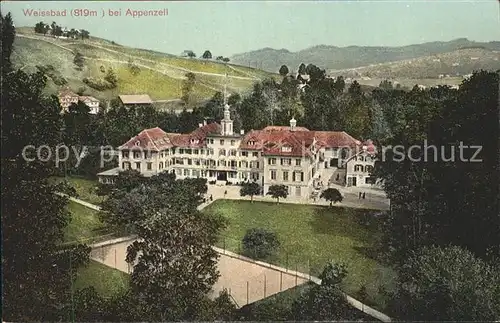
359	170
291	156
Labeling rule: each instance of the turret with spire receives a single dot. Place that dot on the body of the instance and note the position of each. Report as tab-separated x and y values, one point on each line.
226	122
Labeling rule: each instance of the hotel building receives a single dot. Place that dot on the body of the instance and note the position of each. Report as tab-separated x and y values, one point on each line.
292	156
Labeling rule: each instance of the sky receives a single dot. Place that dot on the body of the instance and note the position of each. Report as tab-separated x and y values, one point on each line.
230	27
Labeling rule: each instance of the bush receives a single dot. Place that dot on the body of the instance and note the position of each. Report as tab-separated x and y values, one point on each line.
260	244
51	72
98	84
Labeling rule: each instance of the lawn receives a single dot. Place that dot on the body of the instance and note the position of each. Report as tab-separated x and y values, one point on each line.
85	225
107	281
310	237
85	188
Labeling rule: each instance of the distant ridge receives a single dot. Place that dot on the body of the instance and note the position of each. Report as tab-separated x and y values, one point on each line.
337	58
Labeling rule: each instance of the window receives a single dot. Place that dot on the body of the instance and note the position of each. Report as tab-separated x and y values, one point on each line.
285	176
197	162
232	163
195	151
222	152
297	162
126	165
301	176
368	159
358	168
273	175
178	171
150	166
360	158
186	172
298	191
196	173
251	142
233	152
272	161
137	154
285	161
370	180
181	151
369	168
287	149
161	165
188	151
222	142
244	153
125	154
255	154
138	166
233	142
190	162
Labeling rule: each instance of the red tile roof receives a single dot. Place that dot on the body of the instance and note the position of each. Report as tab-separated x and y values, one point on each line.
274	141
153	139
157	139
300	142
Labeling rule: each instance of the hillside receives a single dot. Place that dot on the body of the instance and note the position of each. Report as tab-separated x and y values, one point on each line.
157	74
336	58
456	63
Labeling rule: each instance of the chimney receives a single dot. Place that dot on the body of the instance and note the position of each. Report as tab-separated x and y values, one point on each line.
200	125
293	124
242	132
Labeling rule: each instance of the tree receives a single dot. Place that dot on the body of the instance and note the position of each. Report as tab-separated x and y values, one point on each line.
332	195
260	244
84	34
447	284
128	180
219	58
187	88
8	36
176	266
386	85
250	189
302	69
111	77
325	302
36	273
207	55
277	191
226	59
78	60
284	70
40	27
191	54
425	211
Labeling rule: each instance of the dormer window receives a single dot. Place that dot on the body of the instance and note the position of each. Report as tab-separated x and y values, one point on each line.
286	149
251	142
137	143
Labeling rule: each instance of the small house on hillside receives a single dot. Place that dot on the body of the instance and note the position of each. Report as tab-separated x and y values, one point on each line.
135	100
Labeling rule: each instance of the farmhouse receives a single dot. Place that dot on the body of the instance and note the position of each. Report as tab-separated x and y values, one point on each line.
135	100
68	97
285	155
